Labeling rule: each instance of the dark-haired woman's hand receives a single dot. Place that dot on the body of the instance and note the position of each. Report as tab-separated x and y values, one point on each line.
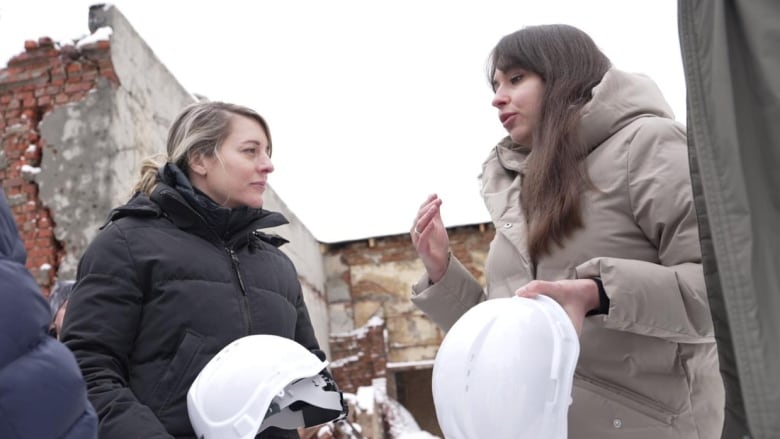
430	238
576	296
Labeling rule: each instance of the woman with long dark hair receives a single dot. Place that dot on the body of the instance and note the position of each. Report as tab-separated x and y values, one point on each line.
591	198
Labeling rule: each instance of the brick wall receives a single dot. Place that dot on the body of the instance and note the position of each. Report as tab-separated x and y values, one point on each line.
43	77
370	286
378	274
359	356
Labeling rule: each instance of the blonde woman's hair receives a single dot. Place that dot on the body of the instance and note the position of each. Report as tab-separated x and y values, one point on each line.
199	129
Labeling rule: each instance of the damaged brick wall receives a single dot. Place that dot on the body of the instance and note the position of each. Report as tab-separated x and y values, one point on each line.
370	287
359	356
45	76
377	275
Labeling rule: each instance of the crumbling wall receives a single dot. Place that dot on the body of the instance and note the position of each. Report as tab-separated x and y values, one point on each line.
373	278
77	119
359	356
45	77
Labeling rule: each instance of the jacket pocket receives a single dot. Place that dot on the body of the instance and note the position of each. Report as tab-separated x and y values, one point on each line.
626	398
169	386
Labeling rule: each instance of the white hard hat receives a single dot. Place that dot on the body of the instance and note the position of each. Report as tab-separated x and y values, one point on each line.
262	381
505	371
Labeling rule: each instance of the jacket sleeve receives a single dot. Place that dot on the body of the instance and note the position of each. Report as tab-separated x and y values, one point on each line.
449	298
304	331
667	299
100	328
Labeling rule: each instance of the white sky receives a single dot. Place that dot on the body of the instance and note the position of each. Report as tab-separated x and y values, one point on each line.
372	104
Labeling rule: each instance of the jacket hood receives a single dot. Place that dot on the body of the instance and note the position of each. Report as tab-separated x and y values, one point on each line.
619	99
11	246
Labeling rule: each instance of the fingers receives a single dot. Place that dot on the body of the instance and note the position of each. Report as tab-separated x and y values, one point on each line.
428	210
535	288
430	198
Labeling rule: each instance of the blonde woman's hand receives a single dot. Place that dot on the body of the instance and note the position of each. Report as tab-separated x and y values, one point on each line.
430	238
576	296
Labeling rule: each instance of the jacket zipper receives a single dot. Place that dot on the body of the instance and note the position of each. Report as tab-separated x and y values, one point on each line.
245	300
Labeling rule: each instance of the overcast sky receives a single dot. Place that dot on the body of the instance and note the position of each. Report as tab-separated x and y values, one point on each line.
372	104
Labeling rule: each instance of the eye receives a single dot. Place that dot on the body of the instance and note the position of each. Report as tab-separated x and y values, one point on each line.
516	78
252	150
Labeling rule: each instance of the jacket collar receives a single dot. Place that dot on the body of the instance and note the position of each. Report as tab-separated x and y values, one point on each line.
190	210
511	155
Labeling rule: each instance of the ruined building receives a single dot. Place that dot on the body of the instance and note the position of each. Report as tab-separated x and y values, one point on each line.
77	119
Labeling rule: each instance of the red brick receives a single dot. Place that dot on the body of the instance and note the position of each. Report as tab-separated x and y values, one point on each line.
72	87
45	42
89	75
73	68
30	45
18	59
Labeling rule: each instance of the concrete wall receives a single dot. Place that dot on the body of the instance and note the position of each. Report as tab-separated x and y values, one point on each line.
94	147
305	252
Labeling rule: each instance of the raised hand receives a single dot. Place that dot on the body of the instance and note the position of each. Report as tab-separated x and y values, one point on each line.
430	238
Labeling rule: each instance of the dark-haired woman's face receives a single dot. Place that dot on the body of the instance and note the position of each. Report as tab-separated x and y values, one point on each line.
518	97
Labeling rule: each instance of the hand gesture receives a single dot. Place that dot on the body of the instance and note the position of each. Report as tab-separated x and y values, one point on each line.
430	238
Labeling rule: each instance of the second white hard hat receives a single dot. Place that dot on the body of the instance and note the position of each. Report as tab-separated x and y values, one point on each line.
505	371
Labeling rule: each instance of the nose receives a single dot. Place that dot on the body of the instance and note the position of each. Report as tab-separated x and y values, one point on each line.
500	98
264	164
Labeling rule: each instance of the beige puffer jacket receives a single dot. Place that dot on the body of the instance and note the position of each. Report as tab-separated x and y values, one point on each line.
649	368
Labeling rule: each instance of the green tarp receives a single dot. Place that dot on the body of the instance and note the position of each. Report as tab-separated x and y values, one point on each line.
731	56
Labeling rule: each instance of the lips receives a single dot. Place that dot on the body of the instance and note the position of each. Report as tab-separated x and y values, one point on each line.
507	118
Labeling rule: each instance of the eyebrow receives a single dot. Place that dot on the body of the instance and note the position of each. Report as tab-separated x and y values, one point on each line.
252	142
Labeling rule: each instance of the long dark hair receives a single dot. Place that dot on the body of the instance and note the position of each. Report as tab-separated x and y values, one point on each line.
570	64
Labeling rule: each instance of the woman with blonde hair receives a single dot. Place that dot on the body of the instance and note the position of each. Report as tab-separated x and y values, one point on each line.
179	272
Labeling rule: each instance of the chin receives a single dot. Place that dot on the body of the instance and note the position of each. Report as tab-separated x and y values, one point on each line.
523	141
256	204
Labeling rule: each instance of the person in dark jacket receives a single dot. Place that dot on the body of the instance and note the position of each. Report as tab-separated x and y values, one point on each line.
58	302
42	392
179	272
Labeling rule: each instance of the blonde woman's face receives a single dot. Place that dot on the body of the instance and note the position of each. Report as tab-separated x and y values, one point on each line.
238	175
518	98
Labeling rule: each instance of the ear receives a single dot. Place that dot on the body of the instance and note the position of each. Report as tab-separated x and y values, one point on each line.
197	164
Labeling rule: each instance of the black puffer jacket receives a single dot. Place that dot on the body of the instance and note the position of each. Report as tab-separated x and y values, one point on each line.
168	282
